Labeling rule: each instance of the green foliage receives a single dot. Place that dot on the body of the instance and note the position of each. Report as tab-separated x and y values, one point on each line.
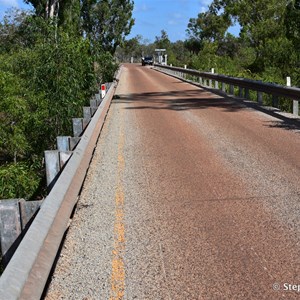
22	115
268	45
48	70
24	174
106	67
107	23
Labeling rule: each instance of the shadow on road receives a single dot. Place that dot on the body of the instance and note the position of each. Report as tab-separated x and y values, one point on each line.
202	99
179	100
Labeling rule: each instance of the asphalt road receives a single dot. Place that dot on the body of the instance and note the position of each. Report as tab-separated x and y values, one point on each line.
189	196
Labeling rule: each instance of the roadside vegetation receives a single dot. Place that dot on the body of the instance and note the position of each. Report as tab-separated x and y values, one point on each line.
51	60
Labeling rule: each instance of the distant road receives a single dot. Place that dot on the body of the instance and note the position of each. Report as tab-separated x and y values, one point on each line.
189	196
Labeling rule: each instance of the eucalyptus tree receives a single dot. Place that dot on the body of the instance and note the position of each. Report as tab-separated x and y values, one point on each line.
107	22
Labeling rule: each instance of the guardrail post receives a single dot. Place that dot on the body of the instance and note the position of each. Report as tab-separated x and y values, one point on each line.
295	102
275	101
87	113
63	143
259	98
210	80
73	142
98	99
224	87
27	210
216	85
77	126
200	80
231	89
247	94
64	156
94	106
15	215
240	92
52	166
10	227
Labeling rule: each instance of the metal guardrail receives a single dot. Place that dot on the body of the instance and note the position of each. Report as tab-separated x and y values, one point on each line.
246	84
27	273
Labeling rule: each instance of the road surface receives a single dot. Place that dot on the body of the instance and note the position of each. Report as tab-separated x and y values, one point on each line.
189	196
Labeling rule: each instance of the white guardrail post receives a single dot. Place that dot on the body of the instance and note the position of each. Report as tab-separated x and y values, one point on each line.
295	102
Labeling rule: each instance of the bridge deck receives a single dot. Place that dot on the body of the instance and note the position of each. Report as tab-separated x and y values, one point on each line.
189	196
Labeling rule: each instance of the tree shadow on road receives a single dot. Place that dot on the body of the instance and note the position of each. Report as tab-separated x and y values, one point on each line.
179	100
203	99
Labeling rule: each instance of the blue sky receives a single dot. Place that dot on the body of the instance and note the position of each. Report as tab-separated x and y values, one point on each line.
151	16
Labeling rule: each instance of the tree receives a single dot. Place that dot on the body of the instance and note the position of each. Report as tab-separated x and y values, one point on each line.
107	22
162	41
47	73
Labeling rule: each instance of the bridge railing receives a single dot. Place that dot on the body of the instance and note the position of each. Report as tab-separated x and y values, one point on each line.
27	272
223	83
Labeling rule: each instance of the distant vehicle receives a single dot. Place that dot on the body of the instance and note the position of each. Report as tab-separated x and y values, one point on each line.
147	60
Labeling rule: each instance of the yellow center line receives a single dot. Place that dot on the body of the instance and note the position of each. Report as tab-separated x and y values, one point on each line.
118	269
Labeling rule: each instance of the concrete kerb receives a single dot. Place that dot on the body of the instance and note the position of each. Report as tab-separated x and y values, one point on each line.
27	273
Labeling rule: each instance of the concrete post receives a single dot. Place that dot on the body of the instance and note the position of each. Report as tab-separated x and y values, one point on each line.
231	89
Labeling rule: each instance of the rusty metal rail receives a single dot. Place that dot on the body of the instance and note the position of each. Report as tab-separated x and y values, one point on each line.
27	273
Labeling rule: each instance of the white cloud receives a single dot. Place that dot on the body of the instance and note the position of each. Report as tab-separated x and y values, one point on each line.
9	3
203	9
205	2
177	15
141	8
